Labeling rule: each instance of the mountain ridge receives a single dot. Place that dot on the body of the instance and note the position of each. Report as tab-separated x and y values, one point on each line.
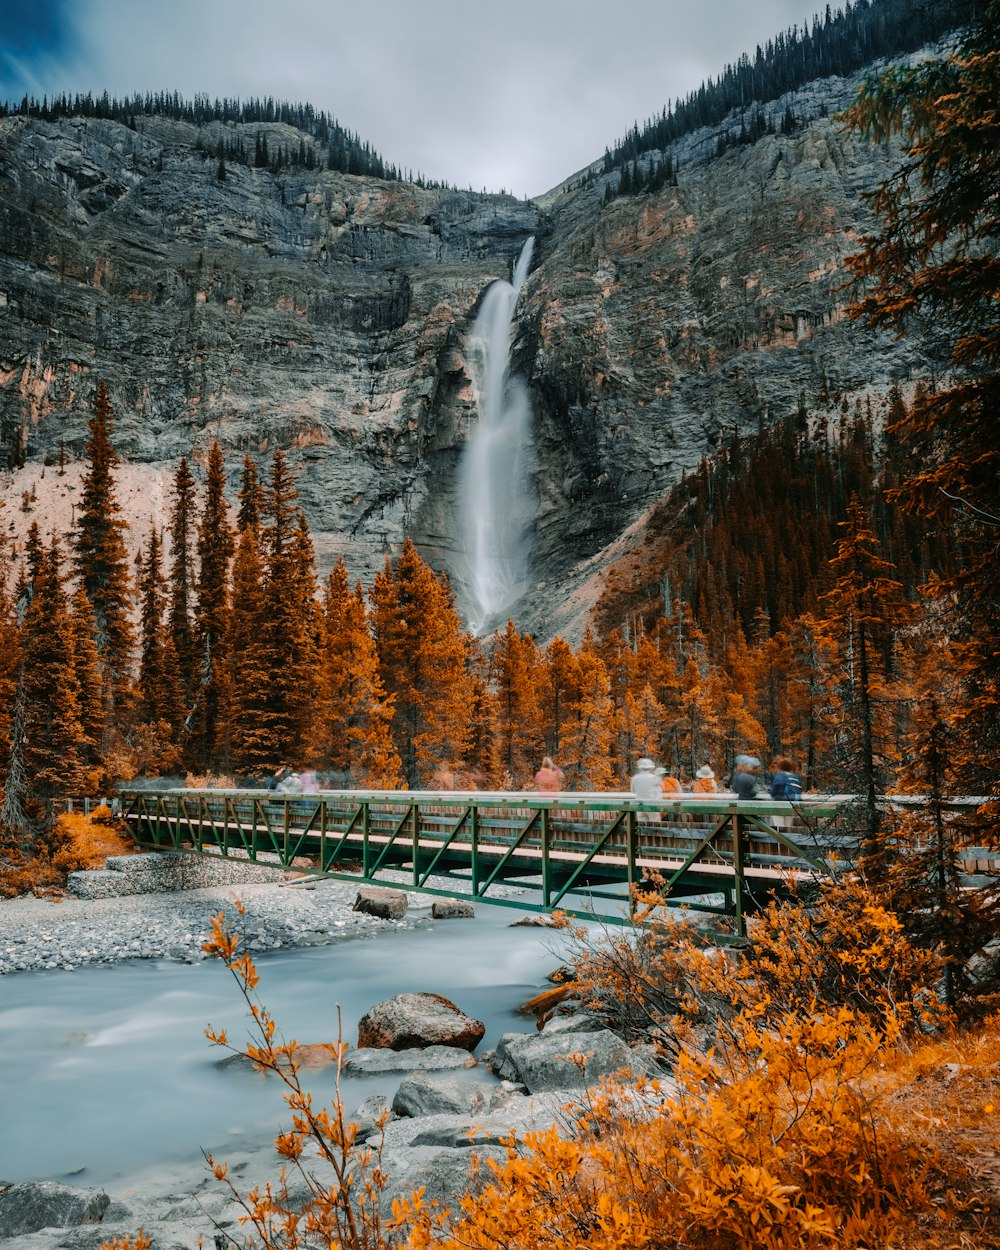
326	313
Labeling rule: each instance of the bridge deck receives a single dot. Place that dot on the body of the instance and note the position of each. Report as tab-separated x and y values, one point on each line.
714	853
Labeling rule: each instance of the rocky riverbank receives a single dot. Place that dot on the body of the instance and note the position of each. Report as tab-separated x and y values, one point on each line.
41	933
448	1099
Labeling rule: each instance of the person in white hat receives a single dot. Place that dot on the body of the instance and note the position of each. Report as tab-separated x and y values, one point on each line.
645	783
704	781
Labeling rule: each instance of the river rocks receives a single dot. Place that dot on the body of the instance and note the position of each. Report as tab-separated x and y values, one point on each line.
419	1020
372	1061
451	909
539	1061
420	1095
386	904
38	934
367	1114
574	1022
444	1176
164	872
48	1204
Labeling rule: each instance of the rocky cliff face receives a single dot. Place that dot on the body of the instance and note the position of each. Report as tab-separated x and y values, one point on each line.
327	314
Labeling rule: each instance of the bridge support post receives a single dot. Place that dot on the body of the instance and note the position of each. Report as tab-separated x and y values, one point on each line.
739	881
546	880
631	854
366	828
474	828
415	837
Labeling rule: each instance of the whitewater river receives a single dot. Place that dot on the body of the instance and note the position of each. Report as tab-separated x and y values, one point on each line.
107	1068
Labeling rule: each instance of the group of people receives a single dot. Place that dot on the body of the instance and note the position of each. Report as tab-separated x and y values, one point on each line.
650	783
284	781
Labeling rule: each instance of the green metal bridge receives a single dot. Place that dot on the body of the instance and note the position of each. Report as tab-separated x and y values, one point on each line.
580	853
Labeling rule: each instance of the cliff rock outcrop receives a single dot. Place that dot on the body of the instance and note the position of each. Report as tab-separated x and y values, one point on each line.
327	314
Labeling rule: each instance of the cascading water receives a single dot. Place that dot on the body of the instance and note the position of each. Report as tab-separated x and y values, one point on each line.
496	500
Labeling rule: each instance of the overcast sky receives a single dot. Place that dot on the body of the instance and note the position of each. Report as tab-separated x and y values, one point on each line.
518	94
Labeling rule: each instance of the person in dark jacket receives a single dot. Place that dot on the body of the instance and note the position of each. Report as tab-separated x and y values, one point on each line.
743	782
785	783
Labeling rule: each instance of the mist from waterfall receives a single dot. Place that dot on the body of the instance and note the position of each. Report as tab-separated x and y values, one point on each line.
497	505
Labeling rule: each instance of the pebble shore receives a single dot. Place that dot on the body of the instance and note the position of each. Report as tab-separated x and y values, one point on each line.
39	933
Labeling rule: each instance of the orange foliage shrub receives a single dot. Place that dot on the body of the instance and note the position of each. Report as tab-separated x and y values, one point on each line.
664	978
807	1126
790	1138
77	841
208	781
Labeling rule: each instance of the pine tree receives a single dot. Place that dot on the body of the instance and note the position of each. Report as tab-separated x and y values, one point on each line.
87	666
215	554
514	679
247	678
251	497
933	256
589	733
866	609
182	575
53	732
16	829
152	682
560	690
422	657
100	556
918	865
353	713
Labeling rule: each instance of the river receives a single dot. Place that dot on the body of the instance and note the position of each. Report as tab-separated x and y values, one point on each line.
108	1072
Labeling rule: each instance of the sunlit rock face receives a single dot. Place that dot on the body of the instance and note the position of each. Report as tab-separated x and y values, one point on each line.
330	315
322	313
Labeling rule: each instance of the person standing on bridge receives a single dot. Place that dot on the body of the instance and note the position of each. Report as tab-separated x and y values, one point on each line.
704	781
645	784
785	783
669	786
743	782
550	777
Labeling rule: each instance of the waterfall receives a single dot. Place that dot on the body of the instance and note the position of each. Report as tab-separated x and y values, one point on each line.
495	497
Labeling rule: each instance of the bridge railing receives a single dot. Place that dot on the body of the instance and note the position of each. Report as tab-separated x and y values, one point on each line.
704	848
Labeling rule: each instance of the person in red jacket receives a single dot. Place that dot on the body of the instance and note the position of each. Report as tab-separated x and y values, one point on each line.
550	777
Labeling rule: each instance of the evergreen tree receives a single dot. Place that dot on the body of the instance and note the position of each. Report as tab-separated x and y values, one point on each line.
251	497
515	681
422	657
215	553
54	738
247	678
182	575
100	557
353	713
153	683
933	257
589	732
865	609
87	666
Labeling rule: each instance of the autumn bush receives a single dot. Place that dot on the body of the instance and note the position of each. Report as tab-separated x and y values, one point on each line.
807	1125
665	980
76	841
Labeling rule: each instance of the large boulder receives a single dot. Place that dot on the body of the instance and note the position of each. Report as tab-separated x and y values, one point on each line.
420	1095
48	1204
540	1060
376	1060
386	904
419	1020
451	909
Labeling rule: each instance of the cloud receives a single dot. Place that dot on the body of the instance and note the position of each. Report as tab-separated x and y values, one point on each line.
519	96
